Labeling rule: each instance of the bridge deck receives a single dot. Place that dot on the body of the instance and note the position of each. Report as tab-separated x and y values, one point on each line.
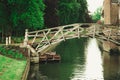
41	39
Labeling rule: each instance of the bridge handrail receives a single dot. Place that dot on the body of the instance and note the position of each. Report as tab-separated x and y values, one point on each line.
52	28
62	26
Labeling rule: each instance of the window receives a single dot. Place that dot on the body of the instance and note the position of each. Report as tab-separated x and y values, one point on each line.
115	1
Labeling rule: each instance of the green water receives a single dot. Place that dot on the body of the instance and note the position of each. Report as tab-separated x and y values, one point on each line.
81	60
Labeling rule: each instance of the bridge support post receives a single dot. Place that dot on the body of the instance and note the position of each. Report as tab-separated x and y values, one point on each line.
6	41
94	31
26	37
34	56
9	39
34	59
109	34
62	34
78	32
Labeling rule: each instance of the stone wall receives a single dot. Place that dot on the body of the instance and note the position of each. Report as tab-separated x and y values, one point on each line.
107	11
111	12
114	14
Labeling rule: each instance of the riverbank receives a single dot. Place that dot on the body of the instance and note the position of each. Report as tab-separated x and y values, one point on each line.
11	69
14	63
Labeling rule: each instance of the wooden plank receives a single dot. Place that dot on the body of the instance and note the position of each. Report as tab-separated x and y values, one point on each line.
103	37
68	32
34	38
46	37
55	34
65	32
43	38
34	53
53	28
62	34
78	32
94	29
109	34
34	35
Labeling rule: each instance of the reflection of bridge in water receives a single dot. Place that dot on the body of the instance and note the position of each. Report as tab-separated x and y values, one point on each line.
37	41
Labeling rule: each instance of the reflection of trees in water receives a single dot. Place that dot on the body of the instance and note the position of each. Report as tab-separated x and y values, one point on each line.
111	66
35	74
71	49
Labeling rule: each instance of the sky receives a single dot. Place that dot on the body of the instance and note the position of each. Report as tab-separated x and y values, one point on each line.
94	4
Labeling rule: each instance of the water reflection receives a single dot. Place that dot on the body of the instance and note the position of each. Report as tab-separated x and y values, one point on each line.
92	69
80	61
111	67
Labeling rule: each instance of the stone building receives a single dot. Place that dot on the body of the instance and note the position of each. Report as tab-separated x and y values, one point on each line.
111	12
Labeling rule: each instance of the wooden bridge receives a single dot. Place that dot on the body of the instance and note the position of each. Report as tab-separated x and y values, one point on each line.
39	40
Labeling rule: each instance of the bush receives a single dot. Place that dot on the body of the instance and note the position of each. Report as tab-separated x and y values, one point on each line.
11	53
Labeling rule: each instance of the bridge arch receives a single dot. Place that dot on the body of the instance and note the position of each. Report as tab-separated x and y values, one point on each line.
37	41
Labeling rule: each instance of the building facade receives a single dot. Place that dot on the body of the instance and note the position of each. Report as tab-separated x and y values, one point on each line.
111	10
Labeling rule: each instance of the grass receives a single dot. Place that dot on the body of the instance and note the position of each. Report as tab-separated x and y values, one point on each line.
11	69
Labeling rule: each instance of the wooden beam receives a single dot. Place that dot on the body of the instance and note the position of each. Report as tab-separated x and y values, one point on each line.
34	38
62	34
43	38
46	37
78	32
94	29
55	34
109	34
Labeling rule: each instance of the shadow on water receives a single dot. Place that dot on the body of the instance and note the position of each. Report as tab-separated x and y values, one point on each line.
72	50
81	60
111	66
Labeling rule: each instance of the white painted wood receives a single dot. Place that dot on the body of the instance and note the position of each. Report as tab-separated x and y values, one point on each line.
109	34
55	34
43	39
26	37
78	32
94	28
62	34
7	41
34	38
46	37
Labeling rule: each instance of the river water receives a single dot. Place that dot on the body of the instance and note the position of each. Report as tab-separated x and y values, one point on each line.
82	59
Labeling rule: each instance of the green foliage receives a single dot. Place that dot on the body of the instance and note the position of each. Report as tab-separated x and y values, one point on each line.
68	54
28	13
17	15
17	39
3	14
97	15
12	53
72	11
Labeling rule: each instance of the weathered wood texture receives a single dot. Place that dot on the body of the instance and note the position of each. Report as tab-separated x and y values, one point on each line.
26	71
42	39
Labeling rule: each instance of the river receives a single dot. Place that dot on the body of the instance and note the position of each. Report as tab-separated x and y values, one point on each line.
81	59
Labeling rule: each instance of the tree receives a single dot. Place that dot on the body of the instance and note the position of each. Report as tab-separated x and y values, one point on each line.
51	18
17	15
83	11
28	13
4	18
72	11
97	15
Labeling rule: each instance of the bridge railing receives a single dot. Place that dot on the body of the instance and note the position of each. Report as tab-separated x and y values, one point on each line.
46	37
38	41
